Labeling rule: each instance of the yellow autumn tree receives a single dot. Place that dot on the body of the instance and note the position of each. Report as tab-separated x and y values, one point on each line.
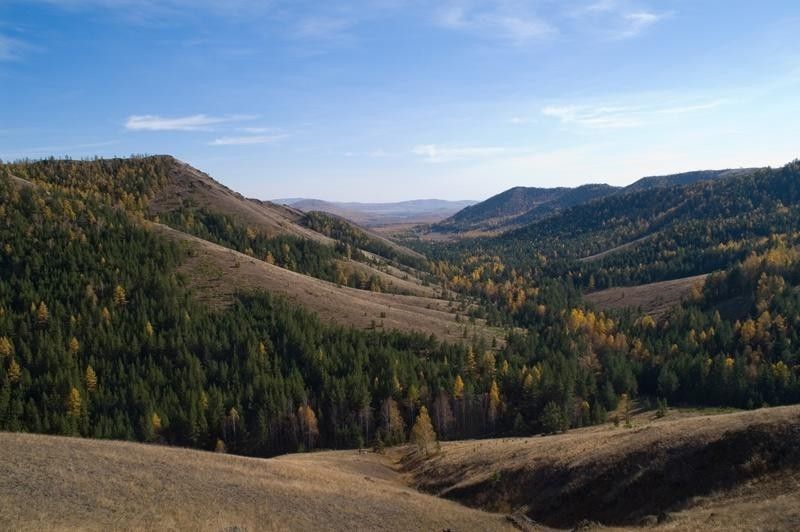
91	379
231	422
494	402
42	314
148	329
6	348
397	386
155	422
422	433
14	372
471	366
527	383
458	388
120	296
748	331
74	403
489	364
74	346
308	425
648	322
220	447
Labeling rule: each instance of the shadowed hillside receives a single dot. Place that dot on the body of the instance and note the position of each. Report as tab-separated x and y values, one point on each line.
674	471
520	206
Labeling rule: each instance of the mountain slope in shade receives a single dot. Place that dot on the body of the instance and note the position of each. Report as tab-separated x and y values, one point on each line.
520	206
685	178
382	214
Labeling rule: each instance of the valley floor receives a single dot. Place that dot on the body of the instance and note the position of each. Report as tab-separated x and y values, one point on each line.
706	470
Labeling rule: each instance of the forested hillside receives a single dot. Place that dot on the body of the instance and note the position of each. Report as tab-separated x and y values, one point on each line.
666	232
518	206
709	350
100	335
521	206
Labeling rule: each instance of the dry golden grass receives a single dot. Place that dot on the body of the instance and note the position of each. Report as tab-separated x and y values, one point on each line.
217	273
56	483
187	184
653	299
709	472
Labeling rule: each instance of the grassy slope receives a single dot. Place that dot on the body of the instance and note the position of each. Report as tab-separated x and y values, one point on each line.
216	273
64	483
189	184
693	466
653	298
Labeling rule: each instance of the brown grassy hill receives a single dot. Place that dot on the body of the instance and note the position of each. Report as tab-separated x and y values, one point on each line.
703	472
217	273
653	298
56	483
188	185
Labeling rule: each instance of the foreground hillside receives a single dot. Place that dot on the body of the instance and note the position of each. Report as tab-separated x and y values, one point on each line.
64	483
683	472
689	471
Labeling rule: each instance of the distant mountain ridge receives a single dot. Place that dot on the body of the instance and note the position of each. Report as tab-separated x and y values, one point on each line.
520	206
377	214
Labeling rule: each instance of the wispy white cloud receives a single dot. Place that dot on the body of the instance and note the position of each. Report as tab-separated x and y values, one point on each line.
198	122
600	6
610	116
257	130
437	153
616	19
635	23
246	140
12	49
594	117
509	21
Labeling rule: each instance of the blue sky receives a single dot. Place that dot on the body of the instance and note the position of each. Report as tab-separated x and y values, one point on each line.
388	100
